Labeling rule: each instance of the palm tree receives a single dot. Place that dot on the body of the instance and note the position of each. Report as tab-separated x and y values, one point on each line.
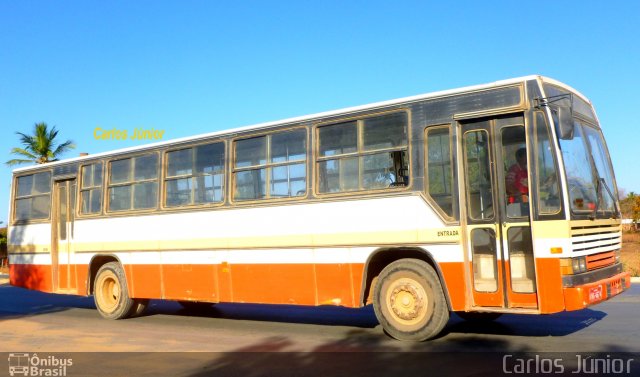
39	147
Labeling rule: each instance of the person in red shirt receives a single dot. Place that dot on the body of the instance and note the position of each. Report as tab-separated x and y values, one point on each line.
517	181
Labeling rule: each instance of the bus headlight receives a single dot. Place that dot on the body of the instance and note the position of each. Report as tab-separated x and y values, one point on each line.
571	266
575	264
583	264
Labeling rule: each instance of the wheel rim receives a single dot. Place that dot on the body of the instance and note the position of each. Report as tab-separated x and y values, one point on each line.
109	291
407	301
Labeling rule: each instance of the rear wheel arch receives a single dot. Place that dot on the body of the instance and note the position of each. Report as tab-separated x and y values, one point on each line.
138	305
96	262
382	257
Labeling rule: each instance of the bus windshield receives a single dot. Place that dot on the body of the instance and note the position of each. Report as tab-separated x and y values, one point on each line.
589	174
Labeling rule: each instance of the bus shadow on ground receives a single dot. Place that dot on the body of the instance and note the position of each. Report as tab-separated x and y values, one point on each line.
559	324
20	303
318	315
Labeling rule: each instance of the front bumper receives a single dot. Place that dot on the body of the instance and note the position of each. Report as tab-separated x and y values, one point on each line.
580	296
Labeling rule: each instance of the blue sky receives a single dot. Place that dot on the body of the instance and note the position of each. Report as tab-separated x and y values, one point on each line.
192	67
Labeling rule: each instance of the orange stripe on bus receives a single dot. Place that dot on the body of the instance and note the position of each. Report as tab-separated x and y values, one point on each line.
146	281
31	276
195	282
549	285
304	284
453	273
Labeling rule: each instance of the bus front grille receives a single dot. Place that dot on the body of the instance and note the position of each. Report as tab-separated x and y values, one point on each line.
600	260
599	241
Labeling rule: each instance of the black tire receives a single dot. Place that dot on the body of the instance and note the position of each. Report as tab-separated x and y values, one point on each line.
479	316
110	292
423	311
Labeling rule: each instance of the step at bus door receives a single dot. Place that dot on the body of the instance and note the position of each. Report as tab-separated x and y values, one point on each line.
63	268
498	229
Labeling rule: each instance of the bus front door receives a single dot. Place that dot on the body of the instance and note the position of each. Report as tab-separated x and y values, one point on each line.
498	227
63	270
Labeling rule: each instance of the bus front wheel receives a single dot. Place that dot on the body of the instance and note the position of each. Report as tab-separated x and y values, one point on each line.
110	293
409	301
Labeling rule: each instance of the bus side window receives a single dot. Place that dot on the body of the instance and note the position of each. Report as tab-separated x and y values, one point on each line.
271	166
195	175
91	189
133	183
33	200
368	154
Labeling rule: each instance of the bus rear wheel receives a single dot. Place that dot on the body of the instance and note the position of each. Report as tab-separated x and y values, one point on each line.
409	301
111	295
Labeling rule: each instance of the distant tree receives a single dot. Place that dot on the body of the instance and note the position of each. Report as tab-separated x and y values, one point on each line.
636	211
3	243
41	147
627	204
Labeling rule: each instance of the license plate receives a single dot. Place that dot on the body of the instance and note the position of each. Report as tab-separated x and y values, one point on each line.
595	294
616	287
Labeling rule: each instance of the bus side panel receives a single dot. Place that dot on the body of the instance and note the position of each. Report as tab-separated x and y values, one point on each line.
31	276
225	293
357	273
334	284
30	261
194	282
147	281
82	275
549	283
454	281
273	283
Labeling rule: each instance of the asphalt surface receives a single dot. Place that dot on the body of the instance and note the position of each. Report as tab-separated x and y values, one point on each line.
286	339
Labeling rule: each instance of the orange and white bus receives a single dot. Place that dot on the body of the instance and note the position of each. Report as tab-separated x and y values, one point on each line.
490	199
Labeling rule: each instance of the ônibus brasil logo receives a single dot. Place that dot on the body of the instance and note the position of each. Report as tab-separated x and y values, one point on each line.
24	364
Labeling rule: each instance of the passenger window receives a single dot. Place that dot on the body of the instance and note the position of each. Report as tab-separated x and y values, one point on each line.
271	166
478	172
439	170
195	175
33	200
368	154
383	132
548	184
133	183
91	189
338	139
516	173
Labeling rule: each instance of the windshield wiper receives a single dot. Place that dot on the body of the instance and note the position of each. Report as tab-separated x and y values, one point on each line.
601	183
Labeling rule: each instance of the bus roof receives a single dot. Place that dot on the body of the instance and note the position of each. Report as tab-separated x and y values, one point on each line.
307	118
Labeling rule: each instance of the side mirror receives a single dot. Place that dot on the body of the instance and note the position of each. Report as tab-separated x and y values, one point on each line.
565	123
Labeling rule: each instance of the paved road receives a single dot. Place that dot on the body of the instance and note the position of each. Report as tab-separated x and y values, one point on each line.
37	322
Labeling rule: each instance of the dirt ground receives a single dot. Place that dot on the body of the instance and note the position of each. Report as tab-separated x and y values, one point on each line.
631	252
